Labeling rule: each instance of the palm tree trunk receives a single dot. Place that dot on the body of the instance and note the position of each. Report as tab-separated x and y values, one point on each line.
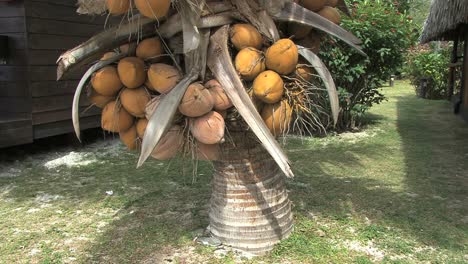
250	209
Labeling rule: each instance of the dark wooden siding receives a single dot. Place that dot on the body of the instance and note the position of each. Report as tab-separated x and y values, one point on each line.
15	96
52	28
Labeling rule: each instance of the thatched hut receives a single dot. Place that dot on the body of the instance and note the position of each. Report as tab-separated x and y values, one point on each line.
448	21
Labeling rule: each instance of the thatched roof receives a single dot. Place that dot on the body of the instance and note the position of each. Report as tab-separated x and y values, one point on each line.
445	20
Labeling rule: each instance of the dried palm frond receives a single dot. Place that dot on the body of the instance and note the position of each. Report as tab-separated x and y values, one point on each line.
91	7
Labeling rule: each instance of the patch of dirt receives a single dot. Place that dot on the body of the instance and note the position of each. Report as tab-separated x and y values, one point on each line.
369	249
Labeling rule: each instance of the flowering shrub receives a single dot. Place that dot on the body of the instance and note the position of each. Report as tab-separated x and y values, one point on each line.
386	34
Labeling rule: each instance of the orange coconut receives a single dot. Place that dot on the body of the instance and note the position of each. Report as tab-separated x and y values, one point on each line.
220	99
108	55
282	56
332	3
100	100
312	41
129	138
115	118
249	62
298	31
313	5
245	36
304	72
154	9
208	129
268	87
118	7
129	48
277	117
106	81
141	125
135	101
132	72
169	144
163	77
197	101
207	152
331	14
150	48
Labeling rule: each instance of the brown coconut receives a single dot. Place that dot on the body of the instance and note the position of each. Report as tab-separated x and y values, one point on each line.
169	144
245	36
118	7
197	101
132	72
151	106
129	48
312	41
282	56
268	87
208	129
100	100
108	55
277	117
331	14
304	72
163	77
141	125
150	49
115	118
313	5
135	101
298	31
249	63
154	9
220	99
207	152
332	3
129	138
106	81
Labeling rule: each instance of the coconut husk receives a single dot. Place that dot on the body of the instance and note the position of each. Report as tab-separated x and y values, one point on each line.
197	101
169	145
220	98
129	138
208	129
91	7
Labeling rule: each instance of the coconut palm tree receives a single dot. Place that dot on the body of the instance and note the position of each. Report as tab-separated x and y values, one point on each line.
250	209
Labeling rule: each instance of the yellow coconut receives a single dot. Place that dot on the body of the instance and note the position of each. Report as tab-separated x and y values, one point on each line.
249	63
268	87
305	72
245	36
154	9
100	100
135	101
163	78
298	31
150	49
197	101
132	72
129	138
106	81
331	14
277	117
332	3
207	152
208	129
313	5
141	125
312	41
115	118
220	99
282	56
108	55
169	144
118	7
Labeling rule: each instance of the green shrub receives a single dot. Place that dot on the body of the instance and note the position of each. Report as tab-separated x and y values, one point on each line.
431	64
386	34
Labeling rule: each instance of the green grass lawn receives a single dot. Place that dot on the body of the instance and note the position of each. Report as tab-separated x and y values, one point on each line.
395	192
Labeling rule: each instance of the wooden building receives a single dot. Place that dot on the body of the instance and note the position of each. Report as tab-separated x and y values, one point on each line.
33	33
448	21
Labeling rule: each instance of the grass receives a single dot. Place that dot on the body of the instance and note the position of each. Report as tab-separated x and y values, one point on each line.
395	192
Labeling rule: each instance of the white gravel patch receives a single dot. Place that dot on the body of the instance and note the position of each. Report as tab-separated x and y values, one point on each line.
369	249
72	159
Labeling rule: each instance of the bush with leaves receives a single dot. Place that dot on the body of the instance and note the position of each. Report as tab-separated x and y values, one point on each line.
386	34
429	64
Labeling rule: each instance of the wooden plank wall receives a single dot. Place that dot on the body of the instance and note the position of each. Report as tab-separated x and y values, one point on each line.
52	28
15	98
